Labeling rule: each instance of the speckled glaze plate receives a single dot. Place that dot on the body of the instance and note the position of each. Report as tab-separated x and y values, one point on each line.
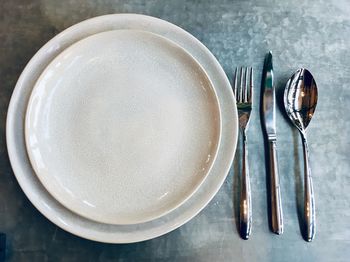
122	127
79	225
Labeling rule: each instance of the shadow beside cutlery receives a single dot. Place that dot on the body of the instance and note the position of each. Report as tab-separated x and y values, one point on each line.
2	247
298	185
266	157
279	87
268	182
298	181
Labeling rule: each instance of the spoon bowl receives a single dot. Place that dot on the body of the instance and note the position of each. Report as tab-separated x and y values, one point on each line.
300	100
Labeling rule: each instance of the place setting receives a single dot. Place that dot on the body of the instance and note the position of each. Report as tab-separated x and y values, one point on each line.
123	128
300	100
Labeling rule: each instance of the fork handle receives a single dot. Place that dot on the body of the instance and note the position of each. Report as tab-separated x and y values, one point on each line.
245	213
276	203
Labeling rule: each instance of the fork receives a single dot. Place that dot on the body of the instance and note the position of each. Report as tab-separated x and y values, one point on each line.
244	98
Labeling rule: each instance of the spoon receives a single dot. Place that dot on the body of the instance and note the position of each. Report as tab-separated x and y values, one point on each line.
300	99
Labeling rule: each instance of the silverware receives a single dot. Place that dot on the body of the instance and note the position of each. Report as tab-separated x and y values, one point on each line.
300	100
244	97
269	122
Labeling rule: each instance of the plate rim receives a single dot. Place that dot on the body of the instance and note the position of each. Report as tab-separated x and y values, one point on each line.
44	178
53	48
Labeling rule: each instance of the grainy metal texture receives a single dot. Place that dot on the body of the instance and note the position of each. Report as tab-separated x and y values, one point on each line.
301	33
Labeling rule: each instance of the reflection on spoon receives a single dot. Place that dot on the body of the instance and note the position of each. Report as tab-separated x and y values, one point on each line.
300	99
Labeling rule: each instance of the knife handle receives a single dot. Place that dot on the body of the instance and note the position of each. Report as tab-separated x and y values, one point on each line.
276	203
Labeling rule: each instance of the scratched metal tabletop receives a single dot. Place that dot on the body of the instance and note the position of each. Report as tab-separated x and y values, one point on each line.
301	33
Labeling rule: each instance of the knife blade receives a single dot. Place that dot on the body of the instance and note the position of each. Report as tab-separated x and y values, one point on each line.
269	123
269	103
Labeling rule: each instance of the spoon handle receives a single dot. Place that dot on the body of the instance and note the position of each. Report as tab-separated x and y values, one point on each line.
309	199
276	202
245	213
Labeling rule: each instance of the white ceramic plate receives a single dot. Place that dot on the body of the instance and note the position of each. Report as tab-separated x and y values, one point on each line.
79	225
122	127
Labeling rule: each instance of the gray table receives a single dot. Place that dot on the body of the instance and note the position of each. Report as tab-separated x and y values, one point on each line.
312	34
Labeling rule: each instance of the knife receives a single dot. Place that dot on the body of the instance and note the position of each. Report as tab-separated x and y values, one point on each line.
269	123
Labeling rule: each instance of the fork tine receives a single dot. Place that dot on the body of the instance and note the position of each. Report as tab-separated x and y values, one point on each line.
251	83
240	96
235	82
245	85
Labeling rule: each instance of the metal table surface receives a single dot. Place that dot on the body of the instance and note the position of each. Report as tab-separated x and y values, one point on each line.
311	34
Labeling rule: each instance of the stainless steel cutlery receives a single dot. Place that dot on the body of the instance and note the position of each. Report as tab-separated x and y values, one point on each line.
243	90
269	123
300	99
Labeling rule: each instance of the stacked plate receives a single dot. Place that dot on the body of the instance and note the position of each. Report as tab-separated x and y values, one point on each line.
122	128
